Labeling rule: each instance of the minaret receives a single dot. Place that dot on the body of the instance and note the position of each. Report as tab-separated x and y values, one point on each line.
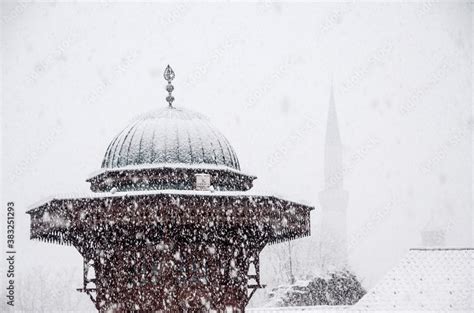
333	198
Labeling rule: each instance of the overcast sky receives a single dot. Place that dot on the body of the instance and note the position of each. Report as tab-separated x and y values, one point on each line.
74	75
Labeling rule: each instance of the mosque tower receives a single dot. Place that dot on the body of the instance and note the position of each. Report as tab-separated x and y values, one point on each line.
333	199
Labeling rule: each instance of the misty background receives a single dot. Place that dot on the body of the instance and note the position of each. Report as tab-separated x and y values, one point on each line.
74	75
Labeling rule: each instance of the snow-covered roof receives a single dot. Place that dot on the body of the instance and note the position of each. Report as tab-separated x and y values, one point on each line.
426	279
98	195
284	219
307	309
170	135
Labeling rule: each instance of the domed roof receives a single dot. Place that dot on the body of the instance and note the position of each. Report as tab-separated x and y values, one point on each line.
170	136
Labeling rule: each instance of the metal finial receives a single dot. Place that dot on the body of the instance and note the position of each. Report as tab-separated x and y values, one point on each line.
169	76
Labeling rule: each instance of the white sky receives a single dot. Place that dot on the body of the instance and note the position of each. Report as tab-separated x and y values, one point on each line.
74	74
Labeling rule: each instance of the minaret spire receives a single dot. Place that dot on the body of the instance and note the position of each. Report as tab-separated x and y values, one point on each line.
333	198
332	127
169	76
333	168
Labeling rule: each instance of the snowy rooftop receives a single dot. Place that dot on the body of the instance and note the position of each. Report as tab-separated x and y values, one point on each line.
97	195
308	309
332	309
170	135
426	279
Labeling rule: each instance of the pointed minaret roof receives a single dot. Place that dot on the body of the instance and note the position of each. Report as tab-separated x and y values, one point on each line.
332	128
333	167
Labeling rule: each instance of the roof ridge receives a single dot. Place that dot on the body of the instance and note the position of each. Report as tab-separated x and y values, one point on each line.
439	249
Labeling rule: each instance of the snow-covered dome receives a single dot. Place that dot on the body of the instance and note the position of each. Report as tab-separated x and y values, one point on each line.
170	136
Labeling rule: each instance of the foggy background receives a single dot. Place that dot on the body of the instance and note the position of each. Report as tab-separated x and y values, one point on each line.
74	75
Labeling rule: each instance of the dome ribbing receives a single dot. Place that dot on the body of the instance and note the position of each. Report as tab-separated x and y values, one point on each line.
170	136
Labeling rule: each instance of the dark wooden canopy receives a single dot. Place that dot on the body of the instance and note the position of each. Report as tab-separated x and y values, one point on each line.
62	219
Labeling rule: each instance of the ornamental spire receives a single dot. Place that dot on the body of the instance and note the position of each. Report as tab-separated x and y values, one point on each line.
169	76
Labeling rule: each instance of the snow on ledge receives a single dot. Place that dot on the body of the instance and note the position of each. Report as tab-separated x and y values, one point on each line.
201	166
